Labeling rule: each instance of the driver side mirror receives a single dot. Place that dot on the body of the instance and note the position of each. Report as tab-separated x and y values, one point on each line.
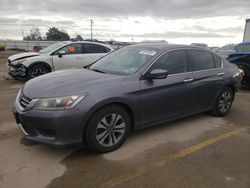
61	53
157	74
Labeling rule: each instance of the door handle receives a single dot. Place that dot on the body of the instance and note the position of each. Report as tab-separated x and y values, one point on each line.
188	80
220	74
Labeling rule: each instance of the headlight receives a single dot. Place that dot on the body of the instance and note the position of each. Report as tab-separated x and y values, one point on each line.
21	61
59	103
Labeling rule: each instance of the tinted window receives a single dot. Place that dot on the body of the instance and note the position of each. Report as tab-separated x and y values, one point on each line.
94	48
174	62
201	60
71	49
217	61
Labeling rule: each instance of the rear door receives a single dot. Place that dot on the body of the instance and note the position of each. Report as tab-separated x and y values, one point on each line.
163	99
208	78
93	52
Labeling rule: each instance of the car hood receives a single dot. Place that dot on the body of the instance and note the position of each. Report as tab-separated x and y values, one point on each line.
69	82
22	55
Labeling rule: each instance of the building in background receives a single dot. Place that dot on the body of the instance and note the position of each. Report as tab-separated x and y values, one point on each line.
247	31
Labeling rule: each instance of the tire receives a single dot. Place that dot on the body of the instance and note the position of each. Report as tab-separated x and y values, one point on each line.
223	102
107	129
37	70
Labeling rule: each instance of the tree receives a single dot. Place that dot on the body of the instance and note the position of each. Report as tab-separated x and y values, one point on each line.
54	34
34	34
79	38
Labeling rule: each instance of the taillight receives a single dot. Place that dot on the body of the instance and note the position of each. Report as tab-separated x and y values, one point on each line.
242	72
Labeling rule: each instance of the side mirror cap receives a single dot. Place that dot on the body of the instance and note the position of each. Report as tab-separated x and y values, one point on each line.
157	74
61	53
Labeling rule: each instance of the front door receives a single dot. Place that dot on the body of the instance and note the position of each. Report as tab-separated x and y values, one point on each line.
163	99
73	57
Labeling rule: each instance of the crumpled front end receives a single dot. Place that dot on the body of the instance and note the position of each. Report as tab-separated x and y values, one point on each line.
16	64
17	70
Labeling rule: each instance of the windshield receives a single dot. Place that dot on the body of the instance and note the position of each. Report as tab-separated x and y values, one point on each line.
125	61
52	47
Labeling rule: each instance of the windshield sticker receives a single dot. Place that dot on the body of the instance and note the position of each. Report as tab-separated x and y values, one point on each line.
145	52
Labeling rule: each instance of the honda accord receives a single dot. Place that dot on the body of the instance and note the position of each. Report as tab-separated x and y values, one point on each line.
137	86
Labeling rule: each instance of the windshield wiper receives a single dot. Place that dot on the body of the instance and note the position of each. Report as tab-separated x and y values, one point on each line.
97	70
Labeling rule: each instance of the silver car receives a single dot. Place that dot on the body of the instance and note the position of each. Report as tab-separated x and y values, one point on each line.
62	55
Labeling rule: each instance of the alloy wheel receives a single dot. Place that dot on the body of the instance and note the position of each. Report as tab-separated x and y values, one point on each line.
110	130
38	72
225	101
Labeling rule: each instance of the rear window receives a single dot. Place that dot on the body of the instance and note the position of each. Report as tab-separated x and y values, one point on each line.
94	48
201	60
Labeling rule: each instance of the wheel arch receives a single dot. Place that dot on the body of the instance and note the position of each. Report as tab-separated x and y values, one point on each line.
124	105
42	63
233	88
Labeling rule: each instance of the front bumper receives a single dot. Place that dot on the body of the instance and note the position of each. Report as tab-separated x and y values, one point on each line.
17	71
64	127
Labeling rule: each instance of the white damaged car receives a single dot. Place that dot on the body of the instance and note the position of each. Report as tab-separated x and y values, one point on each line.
62	55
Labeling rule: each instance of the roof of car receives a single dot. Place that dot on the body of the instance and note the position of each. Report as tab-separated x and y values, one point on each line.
161	46
90	42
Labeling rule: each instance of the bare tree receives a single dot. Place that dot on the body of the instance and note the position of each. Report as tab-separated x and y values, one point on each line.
34	34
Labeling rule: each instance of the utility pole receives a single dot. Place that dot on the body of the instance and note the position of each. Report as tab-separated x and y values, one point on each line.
22	33
91	28
5	39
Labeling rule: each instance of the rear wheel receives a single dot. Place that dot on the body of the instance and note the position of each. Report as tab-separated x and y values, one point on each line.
223	102
37	70
108	129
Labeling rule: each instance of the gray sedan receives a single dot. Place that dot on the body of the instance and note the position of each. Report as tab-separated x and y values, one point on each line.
134	87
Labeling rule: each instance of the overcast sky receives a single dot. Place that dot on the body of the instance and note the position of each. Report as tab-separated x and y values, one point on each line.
215	22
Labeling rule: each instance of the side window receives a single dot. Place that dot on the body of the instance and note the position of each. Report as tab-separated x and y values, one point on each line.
217	61
201	60
94	48
71	49
174	62
106	50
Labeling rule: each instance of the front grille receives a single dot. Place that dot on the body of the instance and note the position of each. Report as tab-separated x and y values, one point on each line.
24	101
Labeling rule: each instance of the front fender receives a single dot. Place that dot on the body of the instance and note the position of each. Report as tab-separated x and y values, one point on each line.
132	109
47	60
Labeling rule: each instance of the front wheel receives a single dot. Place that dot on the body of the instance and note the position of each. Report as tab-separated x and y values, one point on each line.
36	71
108	128
223	102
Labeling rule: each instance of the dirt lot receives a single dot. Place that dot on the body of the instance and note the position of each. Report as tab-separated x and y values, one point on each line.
199	151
